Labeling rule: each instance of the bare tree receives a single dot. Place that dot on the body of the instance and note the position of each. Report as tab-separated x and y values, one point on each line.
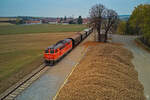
100	16
96	18
110	20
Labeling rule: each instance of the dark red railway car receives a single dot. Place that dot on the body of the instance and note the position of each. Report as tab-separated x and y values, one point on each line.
76	39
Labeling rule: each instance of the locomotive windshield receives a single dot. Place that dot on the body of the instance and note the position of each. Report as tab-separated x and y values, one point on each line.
46	51
51	51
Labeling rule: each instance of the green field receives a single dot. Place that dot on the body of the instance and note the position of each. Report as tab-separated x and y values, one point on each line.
42	28
22	53
5	24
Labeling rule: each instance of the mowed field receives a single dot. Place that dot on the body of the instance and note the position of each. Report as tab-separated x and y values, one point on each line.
42	28
5	24
22	52
5	19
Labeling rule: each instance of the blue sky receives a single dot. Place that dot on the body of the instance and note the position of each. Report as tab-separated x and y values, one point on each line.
61	8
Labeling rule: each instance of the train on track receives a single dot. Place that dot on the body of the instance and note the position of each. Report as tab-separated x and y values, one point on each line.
57	51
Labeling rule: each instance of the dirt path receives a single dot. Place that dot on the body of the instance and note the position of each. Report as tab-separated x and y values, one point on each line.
141	60
46	86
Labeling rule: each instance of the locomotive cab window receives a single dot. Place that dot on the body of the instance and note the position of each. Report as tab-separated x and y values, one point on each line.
51	51
56	51
46	51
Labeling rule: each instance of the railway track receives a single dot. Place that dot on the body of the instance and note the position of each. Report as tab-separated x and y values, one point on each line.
15	90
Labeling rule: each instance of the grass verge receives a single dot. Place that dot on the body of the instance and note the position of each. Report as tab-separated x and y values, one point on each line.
142	45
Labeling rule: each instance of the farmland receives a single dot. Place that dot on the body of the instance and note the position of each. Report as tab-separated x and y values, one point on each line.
22	52
5	24
42	28
4	21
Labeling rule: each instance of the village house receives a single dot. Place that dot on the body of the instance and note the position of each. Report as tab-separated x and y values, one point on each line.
33	21
85	21
50	20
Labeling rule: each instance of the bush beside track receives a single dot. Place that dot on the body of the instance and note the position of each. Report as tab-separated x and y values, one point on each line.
105	73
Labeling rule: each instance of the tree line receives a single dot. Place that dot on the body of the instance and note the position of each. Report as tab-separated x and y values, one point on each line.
79	20
138	23
22	19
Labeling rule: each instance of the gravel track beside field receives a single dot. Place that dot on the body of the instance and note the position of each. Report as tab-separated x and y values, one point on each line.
141	60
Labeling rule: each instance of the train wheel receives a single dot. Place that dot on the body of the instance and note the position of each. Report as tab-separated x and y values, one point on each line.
52	63
46	63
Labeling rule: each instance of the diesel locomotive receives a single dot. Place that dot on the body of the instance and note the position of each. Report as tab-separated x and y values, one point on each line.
55	52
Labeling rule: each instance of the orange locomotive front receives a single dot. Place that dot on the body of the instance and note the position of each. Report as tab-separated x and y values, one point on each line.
55	52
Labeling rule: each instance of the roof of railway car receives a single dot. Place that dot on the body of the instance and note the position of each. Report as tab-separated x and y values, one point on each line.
83	32
86	30
76	35
59	44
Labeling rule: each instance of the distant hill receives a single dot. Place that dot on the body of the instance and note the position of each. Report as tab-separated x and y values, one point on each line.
124	17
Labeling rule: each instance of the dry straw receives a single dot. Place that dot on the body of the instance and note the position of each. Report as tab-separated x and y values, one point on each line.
105	73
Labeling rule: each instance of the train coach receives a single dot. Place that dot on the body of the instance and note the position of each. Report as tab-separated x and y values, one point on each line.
76	39
55	52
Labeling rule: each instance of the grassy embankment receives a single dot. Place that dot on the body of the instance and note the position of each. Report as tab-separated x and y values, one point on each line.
21	52
142	45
